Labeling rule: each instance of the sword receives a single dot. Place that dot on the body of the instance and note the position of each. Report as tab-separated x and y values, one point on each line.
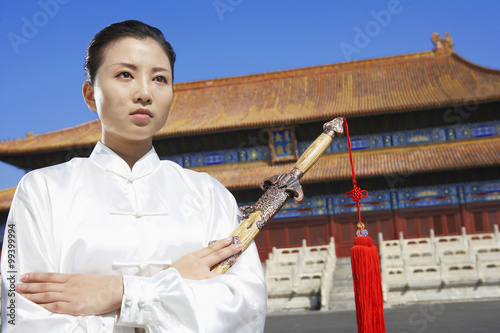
278	189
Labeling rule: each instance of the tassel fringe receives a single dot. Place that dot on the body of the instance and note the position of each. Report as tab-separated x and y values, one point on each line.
367	286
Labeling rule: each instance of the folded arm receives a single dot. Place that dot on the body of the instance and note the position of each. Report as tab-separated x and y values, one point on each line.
90	294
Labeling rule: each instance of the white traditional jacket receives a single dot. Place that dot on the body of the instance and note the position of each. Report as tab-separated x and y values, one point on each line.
94	215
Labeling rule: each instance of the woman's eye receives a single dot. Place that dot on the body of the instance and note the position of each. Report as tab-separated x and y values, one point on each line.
161	79
125	75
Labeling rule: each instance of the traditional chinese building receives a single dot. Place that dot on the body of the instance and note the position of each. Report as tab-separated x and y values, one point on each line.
425	129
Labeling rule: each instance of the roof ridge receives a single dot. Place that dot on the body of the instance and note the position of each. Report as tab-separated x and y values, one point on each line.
301	71
474	65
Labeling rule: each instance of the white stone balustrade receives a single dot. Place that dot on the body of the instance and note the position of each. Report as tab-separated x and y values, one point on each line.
426	269
327	281
460	273
390	253
296	276
395	277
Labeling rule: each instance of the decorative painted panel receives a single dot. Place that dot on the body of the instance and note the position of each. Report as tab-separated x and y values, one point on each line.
482	192
468	131
405	138
257	153
311	206
358	143
284	143
376	200
215	157
392	199
428	196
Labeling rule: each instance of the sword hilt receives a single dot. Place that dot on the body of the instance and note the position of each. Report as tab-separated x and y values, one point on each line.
317	148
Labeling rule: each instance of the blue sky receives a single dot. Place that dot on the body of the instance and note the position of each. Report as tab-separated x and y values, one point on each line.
42	44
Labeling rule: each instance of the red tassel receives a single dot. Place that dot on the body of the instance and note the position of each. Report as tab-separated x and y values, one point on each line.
365	268
367	286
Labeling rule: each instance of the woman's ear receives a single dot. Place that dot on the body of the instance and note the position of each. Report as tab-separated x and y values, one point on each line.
88	95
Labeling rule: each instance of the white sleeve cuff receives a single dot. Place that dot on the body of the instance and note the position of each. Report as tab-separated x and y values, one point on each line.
137	300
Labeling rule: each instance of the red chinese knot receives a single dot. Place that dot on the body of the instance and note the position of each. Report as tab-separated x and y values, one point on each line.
356	194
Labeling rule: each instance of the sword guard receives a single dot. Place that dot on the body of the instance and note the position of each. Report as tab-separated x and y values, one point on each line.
245	211
289	181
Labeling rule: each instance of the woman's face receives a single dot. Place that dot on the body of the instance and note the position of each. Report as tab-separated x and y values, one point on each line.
132	93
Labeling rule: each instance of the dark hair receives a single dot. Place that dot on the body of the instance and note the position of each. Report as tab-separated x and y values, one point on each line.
113	33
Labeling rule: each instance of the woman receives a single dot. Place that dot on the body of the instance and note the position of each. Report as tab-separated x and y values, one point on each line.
118	242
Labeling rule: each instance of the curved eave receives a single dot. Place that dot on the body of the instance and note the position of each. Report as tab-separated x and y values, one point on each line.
6	198
452	155
382	162
382	85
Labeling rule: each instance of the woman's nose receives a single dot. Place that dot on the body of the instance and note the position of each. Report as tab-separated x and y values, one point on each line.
143	93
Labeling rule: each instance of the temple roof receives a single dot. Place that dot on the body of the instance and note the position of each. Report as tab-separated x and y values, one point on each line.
448	155
6	198
422	80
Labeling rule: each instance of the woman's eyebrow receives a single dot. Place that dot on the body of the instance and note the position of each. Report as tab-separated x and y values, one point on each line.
125	64
134	67
159	69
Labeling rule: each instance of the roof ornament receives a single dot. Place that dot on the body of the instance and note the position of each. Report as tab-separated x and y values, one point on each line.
442	45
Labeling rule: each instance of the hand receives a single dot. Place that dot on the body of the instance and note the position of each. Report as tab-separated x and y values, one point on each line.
73	294
196	265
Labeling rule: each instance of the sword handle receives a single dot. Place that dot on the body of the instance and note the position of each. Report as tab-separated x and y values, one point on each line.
318	147
245	232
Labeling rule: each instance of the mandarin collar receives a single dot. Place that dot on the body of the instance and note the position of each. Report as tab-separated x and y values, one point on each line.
110	161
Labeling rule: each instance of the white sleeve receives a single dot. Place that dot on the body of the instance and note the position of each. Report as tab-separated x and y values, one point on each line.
232	302
28	247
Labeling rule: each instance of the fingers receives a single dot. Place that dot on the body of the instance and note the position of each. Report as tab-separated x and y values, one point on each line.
45	277
45	298
197	265
41	287
41	293
215	246
33	288
223	253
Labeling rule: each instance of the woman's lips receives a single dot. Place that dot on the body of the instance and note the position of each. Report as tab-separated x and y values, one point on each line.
141	114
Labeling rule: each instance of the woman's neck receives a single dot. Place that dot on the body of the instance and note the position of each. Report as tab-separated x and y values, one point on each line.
131	151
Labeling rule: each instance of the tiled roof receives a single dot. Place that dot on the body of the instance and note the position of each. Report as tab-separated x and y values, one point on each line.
401	161
6	198
370	163
390	84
